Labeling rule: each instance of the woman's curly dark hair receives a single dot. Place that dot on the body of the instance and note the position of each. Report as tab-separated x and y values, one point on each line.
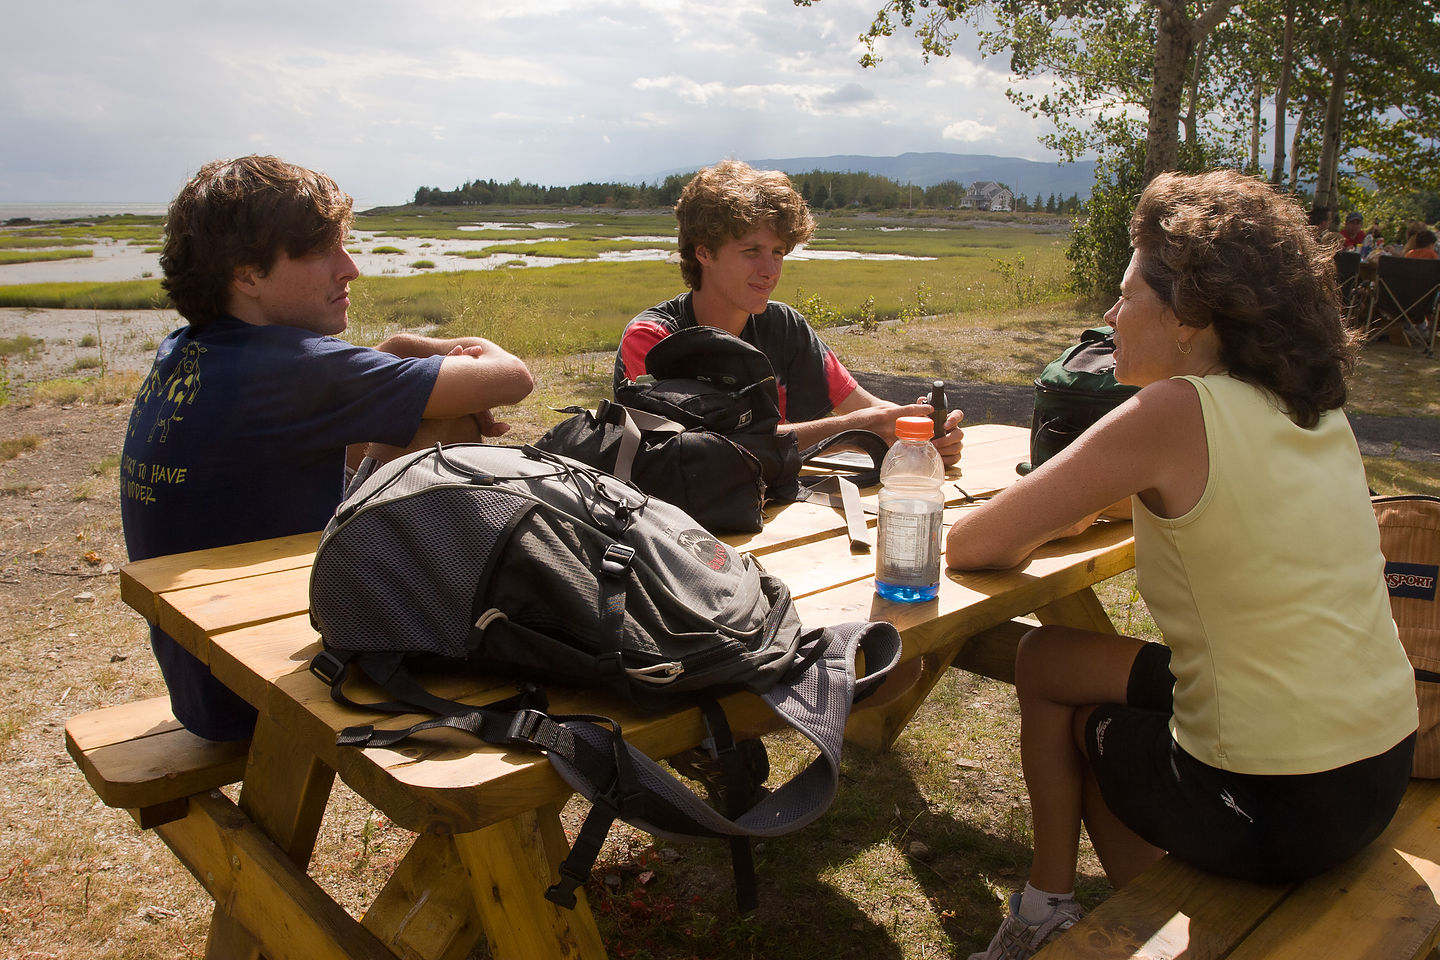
1225	249
244	213
729	200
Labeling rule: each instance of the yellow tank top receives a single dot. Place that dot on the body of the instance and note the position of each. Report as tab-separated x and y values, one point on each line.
1271	596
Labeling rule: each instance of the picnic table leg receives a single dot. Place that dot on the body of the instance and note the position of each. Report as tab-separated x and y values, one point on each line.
990	653
284	793
426	908
1081	609
877	725
511	864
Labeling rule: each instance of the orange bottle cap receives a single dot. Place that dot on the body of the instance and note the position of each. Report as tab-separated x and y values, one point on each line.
914	428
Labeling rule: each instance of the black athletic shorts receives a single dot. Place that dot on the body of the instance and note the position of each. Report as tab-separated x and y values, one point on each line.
1266	828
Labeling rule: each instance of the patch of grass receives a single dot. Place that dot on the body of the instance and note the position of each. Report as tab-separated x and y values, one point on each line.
89	340
86	363
586	249
385	248
19	488
22	346
66	391
38	256
423	265
8	242
1394	477
12	447
125	295
101	480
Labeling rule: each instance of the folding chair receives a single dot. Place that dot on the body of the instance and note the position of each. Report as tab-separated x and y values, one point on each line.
1405	300
1347	272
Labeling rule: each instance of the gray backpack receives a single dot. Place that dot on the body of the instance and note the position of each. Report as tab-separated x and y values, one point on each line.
512	561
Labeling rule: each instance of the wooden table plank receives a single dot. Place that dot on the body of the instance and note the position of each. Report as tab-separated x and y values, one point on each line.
142	580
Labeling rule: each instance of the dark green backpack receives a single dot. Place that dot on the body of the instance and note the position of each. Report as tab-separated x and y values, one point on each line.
1072	392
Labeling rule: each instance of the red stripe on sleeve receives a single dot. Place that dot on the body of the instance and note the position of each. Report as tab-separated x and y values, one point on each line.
635	344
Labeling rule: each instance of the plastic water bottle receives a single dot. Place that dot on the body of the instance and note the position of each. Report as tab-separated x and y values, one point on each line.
907	563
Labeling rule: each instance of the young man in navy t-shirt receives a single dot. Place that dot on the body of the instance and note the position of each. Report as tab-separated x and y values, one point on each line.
737	225
241	429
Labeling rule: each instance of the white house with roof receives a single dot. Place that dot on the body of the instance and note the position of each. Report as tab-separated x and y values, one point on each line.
988	195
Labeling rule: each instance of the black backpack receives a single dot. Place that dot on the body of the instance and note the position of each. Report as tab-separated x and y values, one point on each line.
1072	393
513	561
699	431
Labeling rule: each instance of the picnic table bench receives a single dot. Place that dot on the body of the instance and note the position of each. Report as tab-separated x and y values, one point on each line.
1382	903
489	834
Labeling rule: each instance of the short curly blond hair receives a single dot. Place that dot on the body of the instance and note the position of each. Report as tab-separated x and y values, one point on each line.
730	199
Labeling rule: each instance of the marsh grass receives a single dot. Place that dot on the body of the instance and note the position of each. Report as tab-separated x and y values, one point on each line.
21	346
40	256
122	295
29	241
578	249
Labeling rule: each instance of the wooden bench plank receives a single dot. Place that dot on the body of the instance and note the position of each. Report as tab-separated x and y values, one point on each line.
1171	912
138	757
1380	903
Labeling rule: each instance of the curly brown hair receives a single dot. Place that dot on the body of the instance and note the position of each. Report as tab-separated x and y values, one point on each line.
1225	249
729	200
244	212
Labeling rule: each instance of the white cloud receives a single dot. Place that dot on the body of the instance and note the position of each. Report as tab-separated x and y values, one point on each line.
107	101
967	131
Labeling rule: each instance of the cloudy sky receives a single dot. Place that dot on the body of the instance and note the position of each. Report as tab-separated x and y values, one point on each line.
121	101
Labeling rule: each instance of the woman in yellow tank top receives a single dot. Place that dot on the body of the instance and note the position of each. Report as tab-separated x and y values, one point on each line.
1270	736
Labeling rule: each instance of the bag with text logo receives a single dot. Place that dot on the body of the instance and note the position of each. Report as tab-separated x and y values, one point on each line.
514	562
1410	541
1071	393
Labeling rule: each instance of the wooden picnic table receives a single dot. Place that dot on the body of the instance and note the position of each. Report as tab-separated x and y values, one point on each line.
490	837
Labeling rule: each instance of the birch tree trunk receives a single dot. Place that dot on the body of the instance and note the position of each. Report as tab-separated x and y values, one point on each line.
1175	38
1282	97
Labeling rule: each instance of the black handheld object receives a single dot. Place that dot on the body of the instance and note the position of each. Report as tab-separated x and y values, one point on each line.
942	409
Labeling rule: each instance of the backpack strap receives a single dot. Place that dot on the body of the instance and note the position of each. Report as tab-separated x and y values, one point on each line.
842	490
815	701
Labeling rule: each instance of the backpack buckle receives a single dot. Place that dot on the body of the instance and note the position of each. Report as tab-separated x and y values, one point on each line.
617	559
524	727
327	667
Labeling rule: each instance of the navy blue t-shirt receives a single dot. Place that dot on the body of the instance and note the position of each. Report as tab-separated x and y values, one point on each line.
239	433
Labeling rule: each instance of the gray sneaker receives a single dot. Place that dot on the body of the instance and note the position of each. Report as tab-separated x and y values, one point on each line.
1018	940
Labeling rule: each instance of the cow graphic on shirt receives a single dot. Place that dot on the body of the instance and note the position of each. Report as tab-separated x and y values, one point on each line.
176	392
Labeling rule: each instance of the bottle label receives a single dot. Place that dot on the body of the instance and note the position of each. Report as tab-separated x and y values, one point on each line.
909	544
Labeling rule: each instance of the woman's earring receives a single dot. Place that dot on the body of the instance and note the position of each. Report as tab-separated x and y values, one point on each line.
1183	347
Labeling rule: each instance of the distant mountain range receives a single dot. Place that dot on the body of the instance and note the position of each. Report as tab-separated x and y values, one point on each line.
1027	177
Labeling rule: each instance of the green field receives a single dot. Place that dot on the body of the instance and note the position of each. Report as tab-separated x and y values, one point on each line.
965	265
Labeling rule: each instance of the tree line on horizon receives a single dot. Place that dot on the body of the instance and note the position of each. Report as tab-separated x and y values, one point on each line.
822	190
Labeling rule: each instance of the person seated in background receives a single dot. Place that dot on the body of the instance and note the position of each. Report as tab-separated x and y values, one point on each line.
241	429
736	227
1423	246
1270	736
1353	231
1322	221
